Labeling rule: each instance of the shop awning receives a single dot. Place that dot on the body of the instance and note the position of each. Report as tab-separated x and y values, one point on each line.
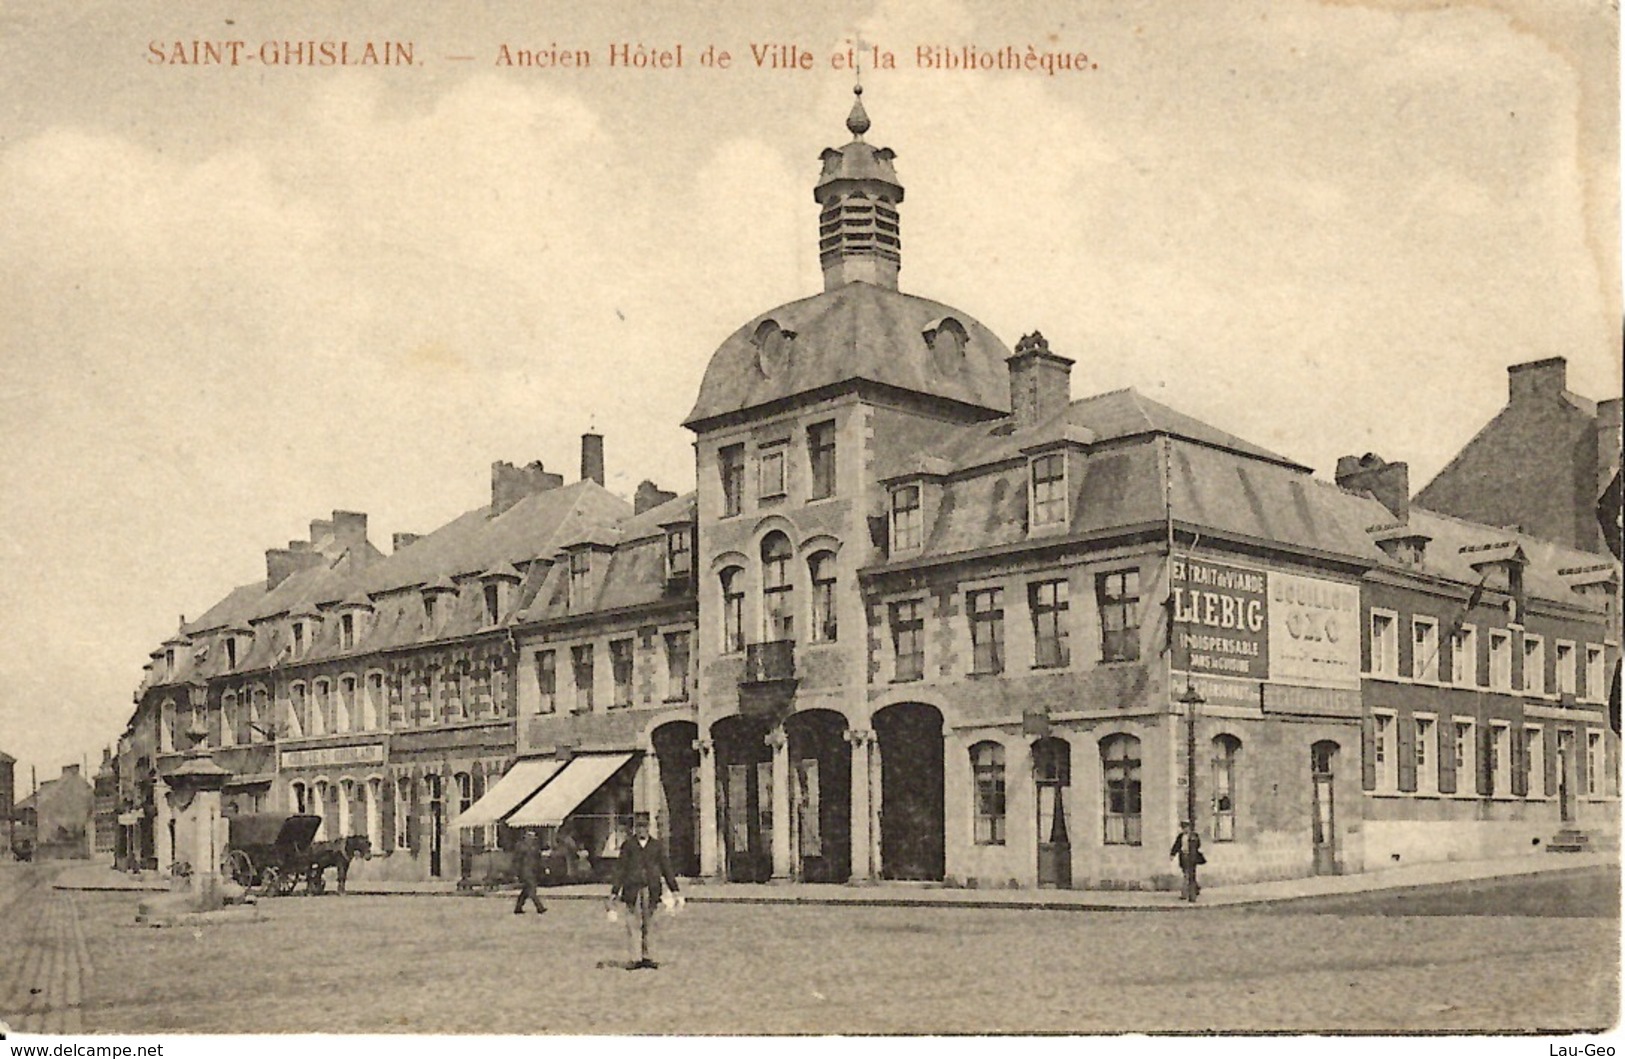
567	790
517	784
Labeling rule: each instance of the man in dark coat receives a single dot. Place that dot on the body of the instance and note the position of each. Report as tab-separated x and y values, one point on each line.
1188	848
643	878
527	864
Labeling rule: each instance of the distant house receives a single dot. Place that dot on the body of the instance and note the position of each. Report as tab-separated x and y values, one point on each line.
54	822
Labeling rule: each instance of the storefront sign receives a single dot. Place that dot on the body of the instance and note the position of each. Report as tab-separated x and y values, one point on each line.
317	757
1314	628
1221	627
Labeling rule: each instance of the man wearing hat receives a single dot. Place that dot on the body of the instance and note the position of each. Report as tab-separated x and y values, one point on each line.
643	878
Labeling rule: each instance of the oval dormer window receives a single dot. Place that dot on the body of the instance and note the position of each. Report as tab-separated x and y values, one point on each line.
946	338
772	348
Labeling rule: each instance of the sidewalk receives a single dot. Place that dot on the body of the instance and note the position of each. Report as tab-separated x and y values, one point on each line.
100	877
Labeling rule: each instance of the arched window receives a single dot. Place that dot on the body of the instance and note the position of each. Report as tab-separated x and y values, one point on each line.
1226	754
299	796
346	799
298	710
319	807
733	610
328	717
375	814
987	770
353	720
259	723
230	719
377	707
465	792
822	568
403	813
1120	775
778	609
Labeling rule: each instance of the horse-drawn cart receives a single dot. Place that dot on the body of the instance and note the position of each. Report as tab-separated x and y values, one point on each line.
270	852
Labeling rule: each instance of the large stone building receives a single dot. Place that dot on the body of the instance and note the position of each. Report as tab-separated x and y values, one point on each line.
1542	465
924	617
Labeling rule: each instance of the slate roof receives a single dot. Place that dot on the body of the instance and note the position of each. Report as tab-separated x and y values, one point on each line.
856	331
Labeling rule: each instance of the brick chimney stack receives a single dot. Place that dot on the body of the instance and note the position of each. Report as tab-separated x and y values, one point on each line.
280	563
592	457
1537	378
649	495
1390	483
510	484
1040	382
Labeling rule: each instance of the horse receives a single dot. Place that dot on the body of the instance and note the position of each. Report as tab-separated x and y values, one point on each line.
338	854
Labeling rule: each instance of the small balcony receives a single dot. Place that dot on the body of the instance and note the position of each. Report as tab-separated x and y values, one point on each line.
767	687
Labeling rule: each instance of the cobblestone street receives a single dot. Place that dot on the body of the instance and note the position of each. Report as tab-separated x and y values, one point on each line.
467	965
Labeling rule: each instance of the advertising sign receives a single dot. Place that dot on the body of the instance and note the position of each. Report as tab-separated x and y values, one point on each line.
1220	619
316	757
1314	630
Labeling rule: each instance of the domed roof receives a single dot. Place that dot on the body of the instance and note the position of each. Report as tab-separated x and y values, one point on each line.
857	331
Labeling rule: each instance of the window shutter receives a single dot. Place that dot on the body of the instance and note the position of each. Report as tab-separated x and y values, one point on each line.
386	818
1447	755
1482	734
1407	752
1368	753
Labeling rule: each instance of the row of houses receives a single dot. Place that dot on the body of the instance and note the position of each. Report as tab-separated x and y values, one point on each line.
925	616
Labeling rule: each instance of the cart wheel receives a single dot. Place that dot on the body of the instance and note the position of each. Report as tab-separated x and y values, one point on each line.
241	868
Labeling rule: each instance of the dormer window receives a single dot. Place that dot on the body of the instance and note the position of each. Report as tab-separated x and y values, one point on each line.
905	518
580	579
298	639
493	603
1048	489
679	553
231	652
428	610
169	662
346	631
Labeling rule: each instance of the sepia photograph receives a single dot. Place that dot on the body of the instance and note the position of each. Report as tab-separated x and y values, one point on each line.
875	524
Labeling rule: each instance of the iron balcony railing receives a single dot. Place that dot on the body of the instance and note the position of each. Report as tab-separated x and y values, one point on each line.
767	663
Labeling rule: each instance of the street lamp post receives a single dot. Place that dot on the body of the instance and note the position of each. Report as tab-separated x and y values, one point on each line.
1188	844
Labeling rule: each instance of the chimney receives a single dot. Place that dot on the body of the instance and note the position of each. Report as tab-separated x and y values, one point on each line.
281	562
403	540
1537	378
592	457
649	495
320	528
510	484
1040	382
350	529
1390	483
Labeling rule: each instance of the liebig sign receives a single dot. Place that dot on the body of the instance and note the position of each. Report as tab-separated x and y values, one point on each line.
1221	625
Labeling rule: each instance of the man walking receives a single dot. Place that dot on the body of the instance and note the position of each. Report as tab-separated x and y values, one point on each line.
527	864
643	877
1188	848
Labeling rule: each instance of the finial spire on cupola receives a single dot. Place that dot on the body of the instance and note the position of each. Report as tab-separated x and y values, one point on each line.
859	238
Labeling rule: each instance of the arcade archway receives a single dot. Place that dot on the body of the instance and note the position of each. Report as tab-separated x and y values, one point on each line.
911	791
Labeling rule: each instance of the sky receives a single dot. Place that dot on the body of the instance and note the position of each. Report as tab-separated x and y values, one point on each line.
239	297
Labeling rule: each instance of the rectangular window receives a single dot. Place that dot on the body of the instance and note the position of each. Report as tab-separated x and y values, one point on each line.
905	518
770	464
1565	668
731	466
1384	645
1534	760
1464	657
679	554
1534	664
677	667
1500	660
1594	674
821	459
733	610
581	662
1118	597
908	639
1464	751
580	580
620	665
986	630
1384	738
822	569
1500	765
1427	756
1596	767
1424	649
1047	600
1049	489
547	681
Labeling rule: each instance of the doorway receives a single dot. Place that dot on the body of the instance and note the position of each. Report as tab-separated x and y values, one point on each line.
1565	775
745	774
911	791
679	764
820	796
1052	778
1323	821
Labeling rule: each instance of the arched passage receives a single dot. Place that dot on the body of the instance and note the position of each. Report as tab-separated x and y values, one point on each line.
911	798
679	790
820	796
745	796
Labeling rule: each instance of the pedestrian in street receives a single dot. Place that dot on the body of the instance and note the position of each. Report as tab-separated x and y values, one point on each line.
1188	848
527	864
642	879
